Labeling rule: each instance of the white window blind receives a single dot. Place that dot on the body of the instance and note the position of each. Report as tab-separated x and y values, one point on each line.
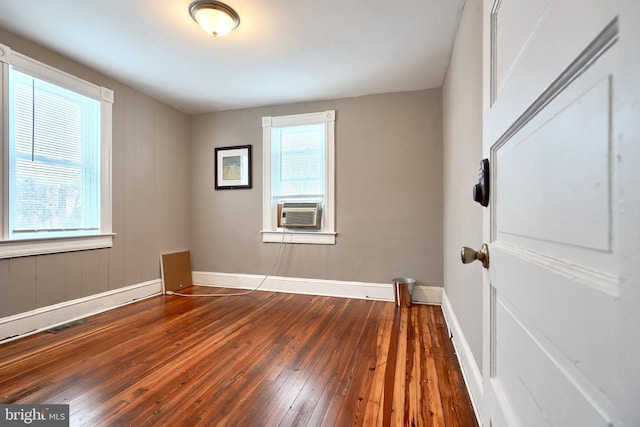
299	159
54	159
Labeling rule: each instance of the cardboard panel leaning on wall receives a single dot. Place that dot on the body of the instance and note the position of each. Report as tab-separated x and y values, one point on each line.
150	201
388	193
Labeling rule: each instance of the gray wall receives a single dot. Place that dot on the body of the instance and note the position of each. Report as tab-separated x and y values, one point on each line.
388	193
462	135
150	202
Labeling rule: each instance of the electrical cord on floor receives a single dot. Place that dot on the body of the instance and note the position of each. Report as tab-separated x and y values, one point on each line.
275	261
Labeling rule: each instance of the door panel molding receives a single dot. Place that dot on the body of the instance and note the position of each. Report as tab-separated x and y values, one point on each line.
572	322
545	64
519	20
561	159
537	403
607	283
577	167
595	50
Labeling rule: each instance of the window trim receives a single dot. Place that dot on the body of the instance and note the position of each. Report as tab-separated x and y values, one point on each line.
270	232
10	248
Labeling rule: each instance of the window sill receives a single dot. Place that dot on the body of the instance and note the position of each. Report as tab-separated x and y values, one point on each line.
30	247
308	237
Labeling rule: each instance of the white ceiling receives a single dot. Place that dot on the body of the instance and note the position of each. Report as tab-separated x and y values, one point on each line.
284	51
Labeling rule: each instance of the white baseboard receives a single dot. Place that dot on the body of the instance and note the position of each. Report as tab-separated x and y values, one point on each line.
334	288
470	371
41	319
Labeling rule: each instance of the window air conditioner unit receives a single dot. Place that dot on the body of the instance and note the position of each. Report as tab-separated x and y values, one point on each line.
301	215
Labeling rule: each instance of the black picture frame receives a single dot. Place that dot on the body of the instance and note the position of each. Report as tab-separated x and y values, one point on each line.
233	167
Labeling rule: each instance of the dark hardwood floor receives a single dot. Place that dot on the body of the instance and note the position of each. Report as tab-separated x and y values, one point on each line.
264	359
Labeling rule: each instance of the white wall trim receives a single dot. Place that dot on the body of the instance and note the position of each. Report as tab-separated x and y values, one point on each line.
269	205
28	243
41	319
333	288
470	371
318	238
28	247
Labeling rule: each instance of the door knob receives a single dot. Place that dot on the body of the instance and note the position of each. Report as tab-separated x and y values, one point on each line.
469	255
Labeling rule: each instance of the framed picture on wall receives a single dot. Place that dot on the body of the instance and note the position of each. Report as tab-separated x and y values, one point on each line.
233	167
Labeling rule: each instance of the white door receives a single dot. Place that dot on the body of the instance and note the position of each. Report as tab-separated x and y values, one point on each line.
562	131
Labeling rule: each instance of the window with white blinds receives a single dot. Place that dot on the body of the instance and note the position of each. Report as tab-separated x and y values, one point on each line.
54	159
56	192
298	162
298	166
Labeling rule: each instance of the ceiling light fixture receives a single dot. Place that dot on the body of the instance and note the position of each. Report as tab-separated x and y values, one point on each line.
214	17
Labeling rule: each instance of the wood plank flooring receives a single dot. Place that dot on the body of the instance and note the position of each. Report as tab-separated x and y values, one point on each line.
264	359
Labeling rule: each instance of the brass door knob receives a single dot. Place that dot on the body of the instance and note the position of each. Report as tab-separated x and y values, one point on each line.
469	255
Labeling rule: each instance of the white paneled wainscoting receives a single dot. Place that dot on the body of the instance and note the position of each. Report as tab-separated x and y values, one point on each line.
44	318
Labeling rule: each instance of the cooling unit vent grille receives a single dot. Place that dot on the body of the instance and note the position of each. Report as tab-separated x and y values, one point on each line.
301	215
